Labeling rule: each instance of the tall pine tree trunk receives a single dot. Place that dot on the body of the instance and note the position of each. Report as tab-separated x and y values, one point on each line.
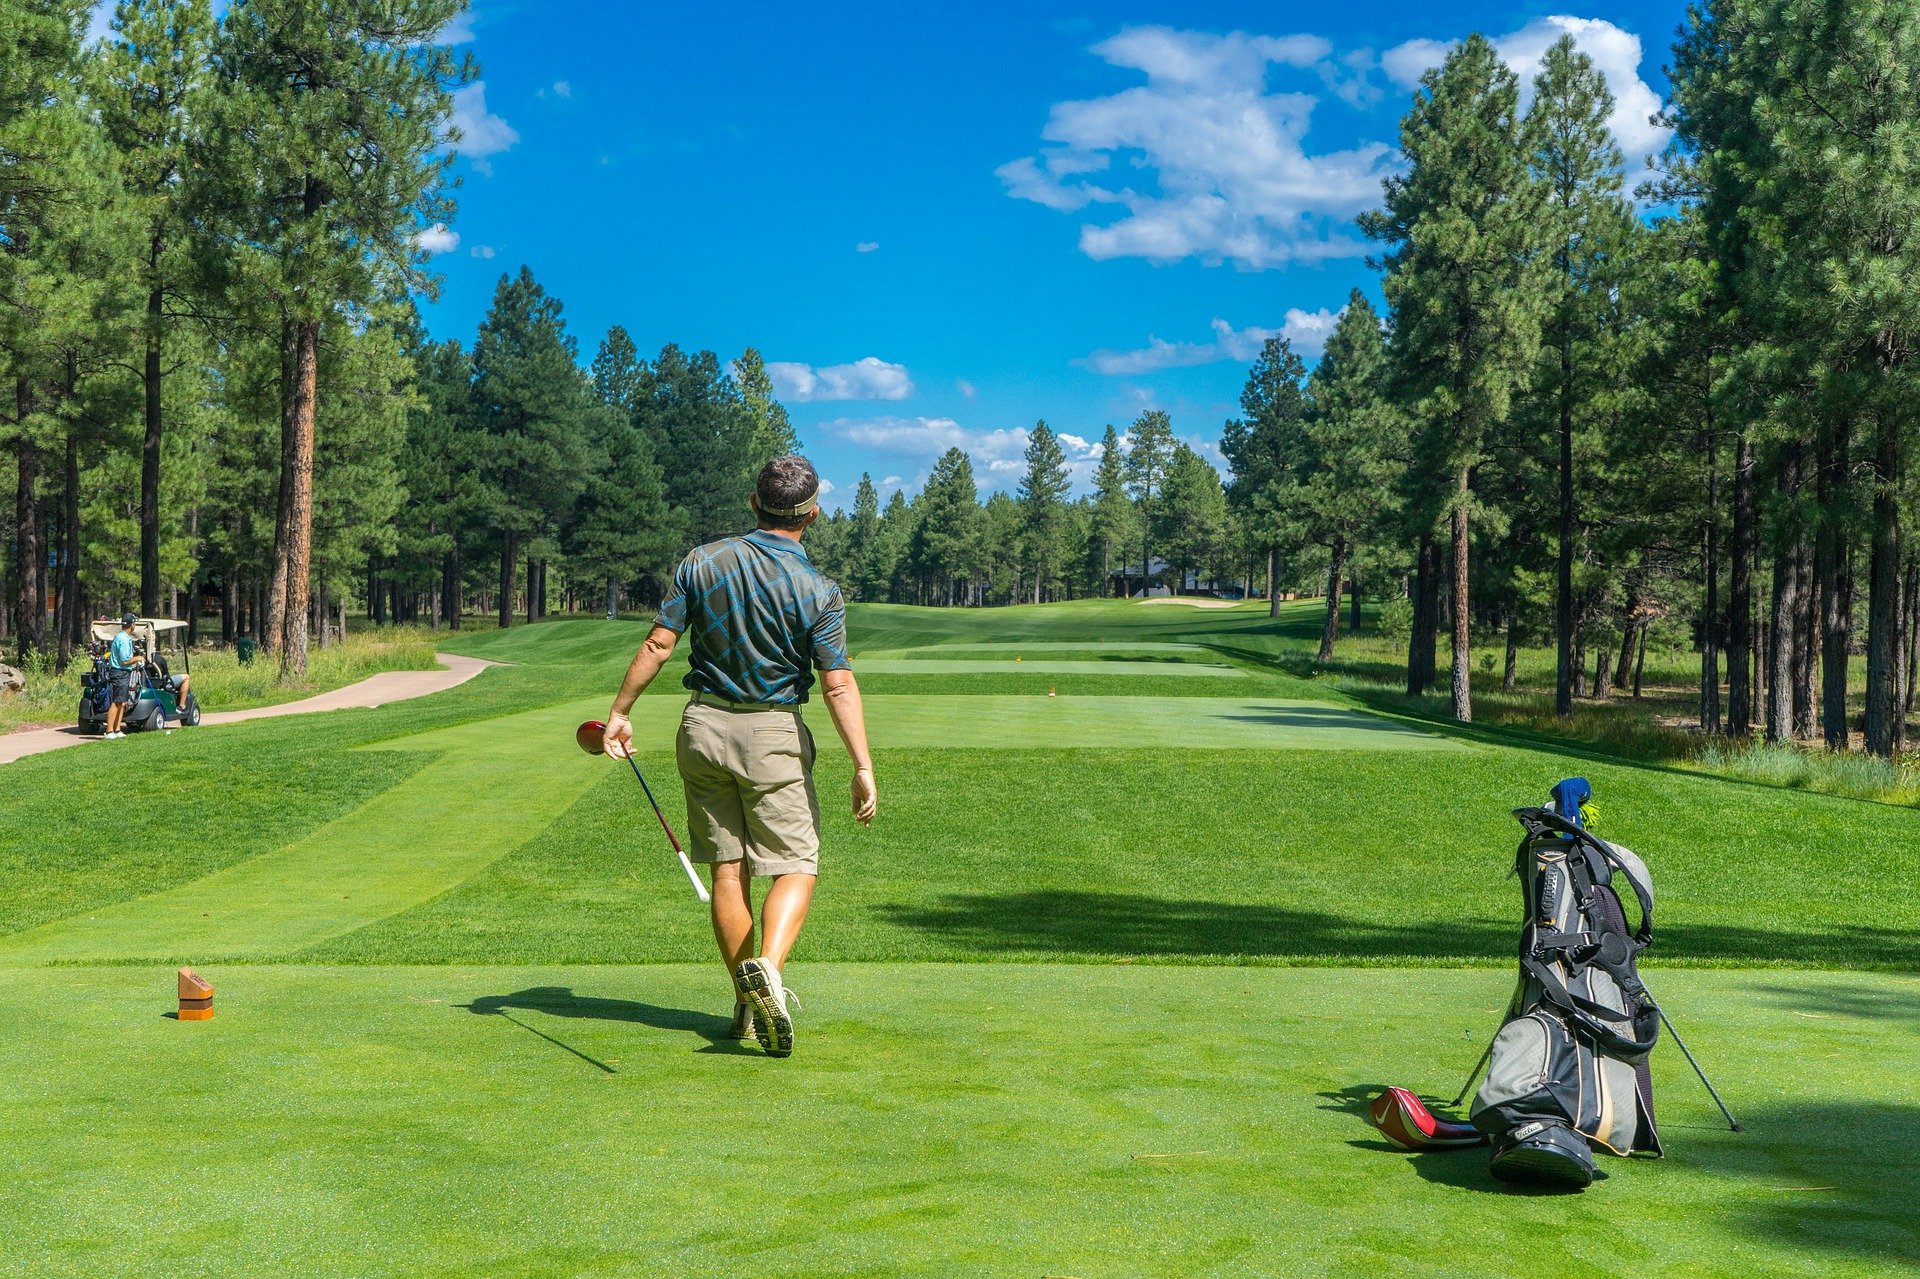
1710	617
1786	604
509	560
29	602
271	625
1740	655
1510	668
69	619
1424	639
1353	589
1273	581
1806	633
1331	630
1884	717
451	587
1563	580
1462	612
151	385
296	456
1835	621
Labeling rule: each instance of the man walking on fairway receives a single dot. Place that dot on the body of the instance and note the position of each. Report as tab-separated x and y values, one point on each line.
761	619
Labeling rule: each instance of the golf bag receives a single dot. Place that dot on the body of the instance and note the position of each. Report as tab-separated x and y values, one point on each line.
1569	1066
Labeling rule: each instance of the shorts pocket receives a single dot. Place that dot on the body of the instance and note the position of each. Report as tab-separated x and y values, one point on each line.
779	757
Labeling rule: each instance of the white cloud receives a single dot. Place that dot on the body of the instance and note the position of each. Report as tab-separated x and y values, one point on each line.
866	246
999	456
1306	330
481	251
1616	52
1221	163
482	133
100	21
459	30
437	239
826	486
562	89
967	389
869	378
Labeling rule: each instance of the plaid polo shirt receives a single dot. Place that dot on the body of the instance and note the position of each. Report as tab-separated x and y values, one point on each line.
760	616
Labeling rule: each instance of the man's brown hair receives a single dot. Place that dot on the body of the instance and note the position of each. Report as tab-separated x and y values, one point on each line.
788	490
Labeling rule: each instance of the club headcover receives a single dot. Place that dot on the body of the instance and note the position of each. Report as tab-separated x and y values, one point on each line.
1404	1120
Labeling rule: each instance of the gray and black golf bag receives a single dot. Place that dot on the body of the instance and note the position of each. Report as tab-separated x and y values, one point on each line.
1568	1070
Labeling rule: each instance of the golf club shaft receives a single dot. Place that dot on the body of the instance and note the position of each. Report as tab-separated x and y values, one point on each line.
699	889
1468	1086
1711	1090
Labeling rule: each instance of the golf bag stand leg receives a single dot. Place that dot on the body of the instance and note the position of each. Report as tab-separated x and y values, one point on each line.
1478	1066
1711	1090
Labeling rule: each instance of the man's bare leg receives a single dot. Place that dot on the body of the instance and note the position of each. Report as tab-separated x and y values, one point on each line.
732	914
783	914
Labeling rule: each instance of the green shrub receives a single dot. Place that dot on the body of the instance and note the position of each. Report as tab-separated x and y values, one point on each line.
1396	619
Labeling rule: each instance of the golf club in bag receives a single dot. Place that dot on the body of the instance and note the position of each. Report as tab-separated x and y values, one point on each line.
1567	1072
591	737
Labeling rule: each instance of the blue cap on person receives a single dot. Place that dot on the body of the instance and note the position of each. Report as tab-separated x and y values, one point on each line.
128	619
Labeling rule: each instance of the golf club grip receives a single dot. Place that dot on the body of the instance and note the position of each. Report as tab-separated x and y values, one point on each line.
699	889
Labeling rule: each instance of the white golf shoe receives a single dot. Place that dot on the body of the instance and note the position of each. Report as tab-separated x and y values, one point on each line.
760	981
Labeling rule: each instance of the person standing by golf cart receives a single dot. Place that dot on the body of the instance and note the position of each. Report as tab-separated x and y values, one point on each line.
122	661
761	619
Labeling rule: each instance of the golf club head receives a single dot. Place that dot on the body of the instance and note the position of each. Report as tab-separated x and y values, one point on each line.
591	737
1404	1120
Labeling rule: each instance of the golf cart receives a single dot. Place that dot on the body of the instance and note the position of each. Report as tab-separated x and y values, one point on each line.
155	688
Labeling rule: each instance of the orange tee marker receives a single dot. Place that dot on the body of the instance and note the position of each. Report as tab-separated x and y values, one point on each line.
196	996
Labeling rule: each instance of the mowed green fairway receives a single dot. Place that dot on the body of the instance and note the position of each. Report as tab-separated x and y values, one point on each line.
1142	923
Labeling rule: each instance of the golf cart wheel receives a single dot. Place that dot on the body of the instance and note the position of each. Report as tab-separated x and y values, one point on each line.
190	713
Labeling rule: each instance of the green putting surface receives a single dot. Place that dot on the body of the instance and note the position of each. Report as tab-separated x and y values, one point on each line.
935	1121
1007	666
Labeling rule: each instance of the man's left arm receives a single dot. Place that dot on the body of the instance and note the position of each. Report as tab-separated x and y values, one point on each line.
653	654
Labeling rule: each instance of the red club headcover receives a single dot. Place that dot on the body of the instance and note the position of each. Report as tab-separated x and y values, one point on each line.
1404	1120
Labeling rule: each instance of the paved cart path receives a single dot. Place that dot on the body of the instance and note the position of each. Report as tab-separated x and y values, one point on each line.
375	690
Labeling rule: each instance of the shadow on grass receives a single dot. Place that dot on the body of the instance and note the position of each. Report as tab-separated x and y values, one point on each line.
1835	1178
1840	998
1074	922
1465	1167
1328	717
560	1001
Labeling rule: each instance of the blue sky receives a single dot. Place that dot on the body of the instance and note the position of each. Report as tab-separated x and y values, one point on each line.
943	222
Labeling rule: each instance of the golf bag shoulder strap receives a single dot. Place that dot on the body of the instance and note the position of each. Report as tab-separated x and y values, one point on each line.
1598	860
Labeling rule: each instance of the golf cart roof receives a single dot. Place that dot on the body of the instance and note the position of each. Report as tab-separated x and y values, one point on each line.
145	628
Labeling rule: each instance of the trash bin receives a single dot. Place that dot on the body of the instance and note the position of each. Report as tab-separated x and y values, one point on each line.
243	649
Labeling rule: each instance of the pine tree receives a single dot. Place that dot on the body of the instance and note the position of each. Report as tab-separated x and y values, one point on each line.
155	74
1464	268
1265	450
1355	441
1580	168
1149	452
867	575
307	91
1192	515
891	556
946	539
701	431
1111	527
1043	507
772	435
534	404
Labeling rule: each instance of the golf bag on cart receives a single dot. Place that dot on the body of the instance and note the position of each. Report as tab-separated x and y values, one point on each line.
1568	1070
96	690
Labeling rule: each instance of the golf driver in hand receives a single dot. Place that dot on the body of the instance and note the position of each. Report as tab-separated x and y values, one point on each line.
761	621
592	737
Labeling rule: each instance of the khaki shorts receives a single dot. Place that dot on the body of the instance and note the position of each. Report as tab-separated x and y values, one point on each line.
748	774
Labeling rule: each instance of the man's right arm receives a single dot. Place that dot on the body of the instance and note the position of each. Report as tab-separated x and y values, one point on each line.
842	696
654	652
